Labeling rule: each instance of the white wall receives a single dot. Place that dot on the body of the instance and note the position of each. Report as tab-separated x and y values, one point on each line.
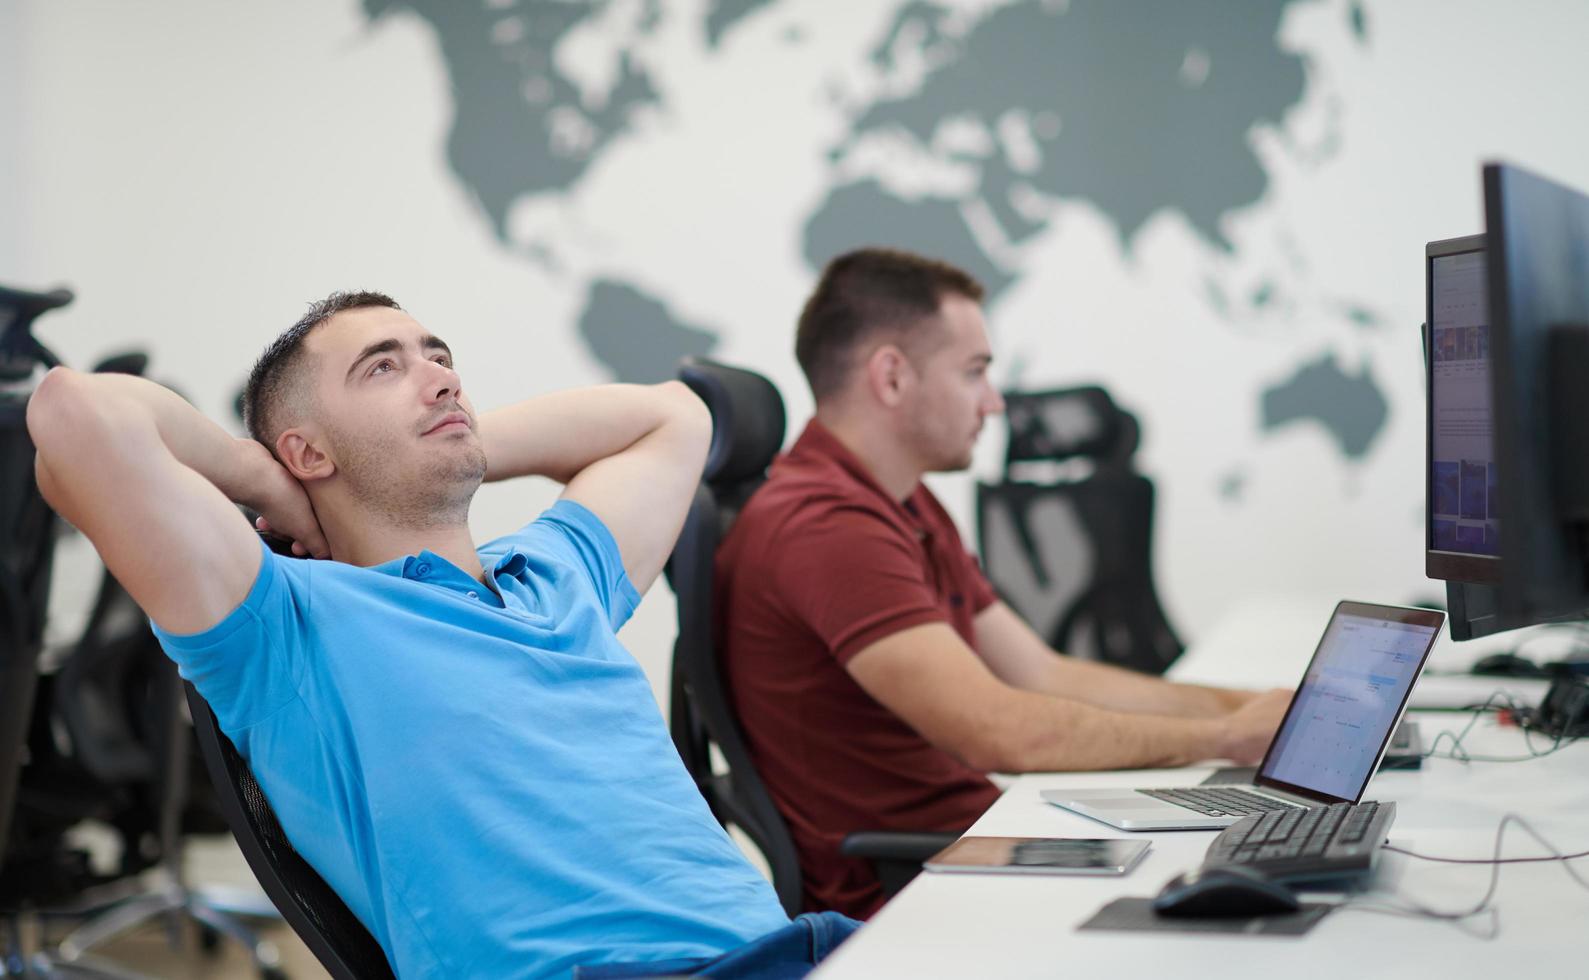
13	195
199	170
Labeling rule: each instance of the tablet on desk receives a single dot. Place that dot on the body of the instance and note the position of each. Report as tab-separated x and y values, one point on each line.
1039	855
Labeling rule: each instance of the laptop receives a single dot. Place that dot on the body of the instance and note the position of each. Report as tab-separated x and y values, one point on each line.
1329	743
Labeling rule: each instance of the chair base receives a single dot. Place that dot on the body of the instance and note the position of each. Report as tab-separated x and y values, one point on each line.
46	966
172	901
16	961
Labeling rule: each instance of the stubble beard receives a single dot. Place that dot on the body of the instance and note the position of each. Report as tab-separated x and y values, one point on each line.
940	457
435	494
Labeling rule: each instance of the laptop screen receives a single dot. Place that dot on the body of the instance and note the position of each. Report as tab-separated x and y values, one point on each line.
1342	716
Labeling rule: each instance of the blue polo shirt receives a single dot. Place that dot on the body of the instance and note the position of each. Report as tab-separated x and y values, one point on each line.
482	775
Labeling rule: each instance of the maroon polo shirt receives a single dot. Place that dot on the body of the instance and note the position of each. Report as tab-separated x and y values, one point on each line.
821	564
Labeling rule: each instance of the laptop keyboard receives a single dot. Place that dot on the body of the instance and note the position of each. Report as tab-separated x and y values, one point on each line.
1316	842
1215	801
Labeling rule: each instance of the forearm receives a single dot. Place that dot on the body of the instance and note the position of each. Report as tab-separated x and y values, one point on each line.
1021	659
79	420
1038	733
559	434
1115	688
929	677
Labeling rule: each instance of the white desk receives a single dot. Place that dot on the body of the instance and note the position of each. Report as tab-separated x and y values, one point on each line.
964	926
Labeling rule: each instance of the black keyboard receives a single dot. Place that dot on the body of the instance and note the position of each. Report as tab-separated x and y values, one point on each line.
1220	802
1335	841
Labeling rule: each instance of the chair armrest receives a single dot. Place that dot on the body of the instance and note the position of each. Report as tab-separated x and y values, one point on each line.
896	845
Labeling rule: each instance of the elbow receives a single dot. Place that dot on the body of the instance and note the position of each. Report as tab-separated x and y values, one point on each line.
690	417
52	406
988	748
994	758
1013	737
686	406
985	756
978	757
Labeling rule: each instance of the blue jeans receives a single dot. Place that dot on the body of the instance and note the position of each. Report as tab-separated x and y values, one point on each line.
787	954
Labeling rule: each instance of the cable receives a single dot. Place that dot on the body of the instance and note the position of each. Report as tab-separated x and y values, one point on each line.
1499	701
1445	860
1411	909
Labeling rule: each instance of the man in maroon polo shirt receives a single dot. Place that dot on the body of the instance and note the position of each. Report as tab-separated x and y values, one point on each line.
878	676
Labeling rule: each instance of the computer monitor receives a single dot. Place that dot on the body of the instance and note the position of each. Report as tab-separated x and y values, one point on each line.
1461	528
1538	278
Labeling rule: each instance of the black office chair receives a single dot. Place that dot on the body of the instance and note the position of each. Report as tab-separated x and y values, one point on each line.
27	539
110	743
118	700
748	428
316	913
94	762
1072	552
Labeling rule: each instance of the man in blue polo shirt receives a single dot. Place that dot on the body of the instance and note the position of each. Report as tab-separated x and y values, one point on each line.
451	735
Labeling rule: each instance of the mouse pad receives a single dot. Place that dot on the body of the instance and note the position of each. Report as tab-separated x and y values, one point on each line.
1137	915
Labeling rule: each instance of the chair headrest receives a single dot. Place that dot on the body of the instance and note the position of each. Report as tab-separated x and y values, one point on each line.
31	302
747	419
1065	423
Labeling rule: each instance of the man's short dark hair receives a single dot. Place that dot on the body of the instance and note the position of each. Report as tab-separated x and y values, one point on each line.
864	293
272	384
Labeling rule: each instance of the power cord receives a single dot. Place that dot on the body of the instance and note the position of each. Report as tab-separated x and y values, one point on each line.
1497	702
1412	909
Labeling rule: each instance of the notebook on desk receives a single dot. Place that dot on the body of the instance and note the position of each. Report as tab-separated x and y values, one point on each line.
1329	743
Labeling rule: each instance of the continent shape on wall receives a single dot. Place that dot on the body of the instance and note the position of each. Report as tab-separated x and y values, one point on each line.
1349	406
1094	92
520	125
635	335
724	14
1086	101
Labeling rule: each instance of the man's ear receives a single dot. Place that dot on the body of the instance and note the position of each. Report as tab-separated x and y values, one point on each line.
305	460
889	374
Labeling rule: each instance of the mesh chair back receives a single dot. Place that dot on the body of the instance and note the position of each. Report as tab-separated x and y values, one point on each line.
26	540
1068	423
748	429
1074	556
330	930
27	535
106	691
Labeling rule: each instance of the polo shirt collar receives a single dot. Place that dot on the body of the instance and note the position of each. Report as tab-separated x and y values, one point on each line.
428	565
818	445
513	563
433	569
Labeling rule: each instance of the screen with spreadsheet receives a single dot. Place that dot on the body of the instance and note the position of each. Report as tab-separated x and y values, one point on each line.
1348	703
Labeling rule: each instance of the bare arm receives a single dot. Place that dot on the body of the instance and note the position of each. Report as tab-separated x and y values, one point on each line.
1021	659
632	454
151	482
930	678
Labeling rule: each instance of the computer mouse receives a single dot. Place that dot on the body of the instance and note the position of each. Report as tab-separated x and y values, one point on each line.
1507	665
1226	890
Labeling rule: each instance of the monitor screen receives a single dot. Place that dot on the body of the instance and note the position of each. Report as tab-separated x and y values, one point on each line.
1463	523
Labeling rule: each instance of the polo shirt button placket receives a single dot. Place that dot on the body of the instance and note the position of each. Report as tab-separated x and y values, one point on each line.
422	569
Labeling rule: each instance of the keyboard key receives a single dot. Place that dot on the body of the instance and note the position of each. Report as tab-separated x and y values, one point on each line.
1300	844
